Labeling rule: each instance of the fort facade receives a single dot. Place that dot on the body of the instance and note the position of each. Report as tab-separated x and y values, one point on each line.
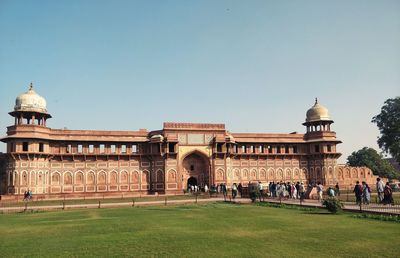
59	161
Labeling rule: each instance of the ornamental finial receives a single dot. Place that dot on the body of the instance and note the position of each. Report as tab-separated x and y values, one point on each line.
31	86
316	101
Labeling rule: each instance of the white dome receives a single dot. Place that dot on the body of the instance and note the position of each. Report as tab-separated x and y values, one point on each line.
157	138
230	138
317	113
30	101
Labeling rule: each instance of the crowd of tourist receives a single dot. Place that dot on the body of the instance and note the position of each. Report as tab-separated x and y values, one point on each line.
291	190
362	192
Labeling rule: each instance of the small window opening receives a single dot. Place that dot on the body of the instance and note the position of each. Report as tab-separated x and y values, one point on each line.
69	148
41	147
91	148
219	147
123	148
25	146
112	148
134	148
171	147
80	148
102	148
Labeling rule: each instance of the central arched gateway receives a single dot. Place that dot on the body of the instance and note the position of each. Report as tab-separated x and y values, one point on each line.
195	167
192	181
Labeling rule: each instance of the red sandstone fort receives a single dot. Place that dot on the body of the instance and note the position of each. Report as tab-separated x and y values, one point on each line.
58	161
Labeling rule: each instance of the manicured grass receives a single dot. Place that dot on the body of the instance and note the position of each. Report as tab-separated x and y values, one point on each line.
33	202
211	230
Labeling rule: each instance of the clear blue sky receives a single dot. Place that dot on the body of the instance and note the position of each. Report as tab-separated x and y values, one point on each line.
254	65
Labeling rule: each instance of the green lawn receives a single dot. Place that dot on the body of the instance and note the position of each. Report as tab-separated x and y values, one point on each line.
211	230
34	202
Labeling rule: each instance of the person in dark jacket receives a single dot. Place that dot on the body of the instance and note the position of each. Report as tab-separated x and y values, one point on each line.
358	192
240	189
388	195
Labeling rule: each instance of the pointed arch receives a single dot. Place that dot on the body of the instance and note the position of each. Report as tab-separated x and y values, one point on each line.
245	174
67	178
79	178
91	178
236	174
40	178
288	174
263	174
171	176
123	178
101	177
135	177
55	178
159	176
220	175
145	177
32	178
271	174
304	173
253	174
16	178
279	174
113	177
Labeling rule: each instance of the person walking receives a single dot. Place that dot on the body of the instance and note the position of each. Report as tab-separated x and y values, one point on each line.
294	191
320	190
277	189
366	193
297	189
380	187
388	195
240	189
273	189
224	190
358	192
260	190
337	190
289	189
302	191
331	192
234	191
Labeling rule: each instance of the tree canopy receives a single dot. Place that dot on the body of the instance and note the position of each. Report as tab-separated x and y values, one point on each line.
369	157
388	122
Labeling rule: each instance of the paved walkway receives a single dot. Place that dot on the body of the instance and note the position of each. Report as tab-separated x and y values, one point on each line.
374	208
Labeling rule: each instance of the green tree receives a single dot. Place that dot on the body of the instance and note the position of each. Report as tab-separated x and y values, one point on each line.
368	157
388	122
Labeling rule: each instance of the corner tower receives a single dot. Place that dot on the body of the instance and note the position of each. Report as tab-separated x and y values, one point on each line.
321	141
30	109
28	145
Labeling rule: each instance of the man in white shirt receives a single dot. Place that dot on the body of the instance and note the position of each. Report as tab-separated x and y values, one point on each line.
380	187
